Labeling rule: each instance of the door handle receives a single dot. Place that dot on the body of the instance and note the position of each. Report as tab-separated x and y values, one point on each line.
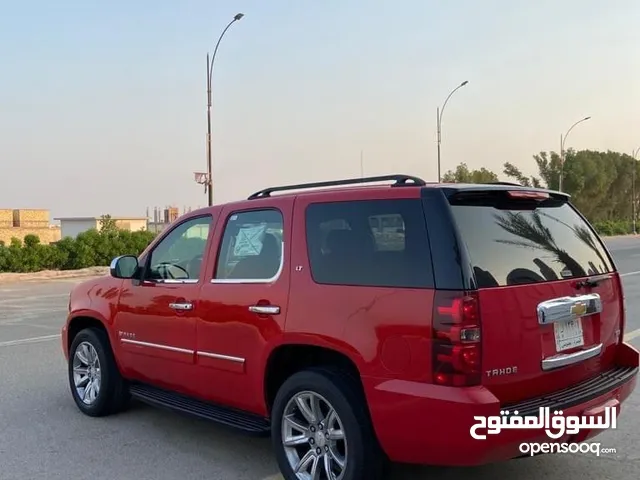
265	309
181	306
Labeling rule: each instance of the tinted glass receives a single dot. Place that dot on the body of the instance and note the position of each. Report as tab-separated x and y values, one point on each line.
126	266
369	243
178	256
520	246
251	246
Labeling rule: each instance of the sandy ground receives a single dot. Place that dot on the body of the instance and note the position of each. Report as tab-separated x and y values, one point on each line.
53	275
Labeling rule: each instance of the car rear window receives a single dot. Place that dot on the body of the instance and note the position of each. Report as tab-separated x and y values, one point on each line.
369	243
511	244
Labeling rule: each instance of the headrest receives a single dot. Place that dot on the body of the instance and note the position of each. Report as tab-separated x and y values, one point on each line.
343	241
270	246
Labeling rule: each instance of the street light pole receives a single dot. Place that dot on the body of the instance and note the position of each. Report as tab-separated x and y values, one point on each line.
439	112
562	141
209	181
633	188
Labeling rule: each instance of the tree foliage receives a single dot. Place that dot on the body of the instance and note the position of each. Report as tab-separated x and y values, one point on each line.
108	224
600	183
89	249
462	174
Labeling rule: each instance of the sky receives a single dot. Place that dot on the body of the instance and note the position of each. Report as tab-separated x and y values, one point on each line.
103	104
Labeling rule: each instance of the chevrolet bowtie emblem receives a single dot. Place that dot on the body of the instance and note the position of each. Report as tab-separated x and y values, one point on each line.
579	308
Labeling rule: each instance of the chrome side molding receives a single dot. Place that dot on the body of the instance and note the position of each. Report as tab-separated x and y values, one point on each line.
156	345
169	348
563	360
219	356
564	309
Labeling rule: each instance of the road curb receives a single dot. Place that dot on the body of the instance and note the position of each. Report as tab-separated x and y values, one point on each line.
630	235
47	275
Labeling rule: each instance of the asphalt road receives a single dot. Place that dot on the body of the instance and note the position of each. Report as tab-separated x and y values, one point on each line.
44	436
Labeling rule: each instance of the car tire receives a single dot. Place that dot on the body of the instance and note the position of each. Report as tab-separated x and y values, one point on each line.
359	452
93	372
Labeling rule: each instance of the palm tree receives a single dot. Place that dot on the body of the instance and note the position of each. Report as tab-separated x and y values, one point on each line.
583	233
537	236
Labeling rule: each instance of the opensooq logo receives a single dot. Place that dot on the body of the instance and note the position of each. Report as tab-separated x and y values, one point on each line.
555	426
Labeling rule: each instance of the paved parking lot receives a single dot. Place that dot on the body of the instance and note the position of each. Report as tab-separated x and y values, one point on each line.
43	435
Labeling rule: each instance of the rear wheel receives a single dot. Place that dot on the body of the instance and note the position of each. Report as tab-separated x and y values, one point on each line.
96	384
321	430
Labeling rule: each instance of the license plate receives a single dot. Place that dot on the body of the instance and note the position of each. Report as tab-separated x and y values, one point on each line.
568	334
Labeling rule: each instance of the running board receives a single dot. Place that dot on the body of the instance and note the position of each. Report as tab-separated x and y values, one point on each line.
237	419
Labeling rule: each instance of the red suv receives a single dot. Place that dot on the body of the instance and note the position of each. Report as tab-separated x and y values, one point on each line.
362	323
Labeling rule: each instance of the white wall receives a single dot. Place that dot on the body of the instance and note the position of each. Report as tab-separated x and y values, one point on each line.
71	228
133	225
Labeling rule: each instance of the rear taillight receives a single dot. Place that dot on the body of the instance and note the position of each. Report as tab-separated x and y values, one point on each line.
456	339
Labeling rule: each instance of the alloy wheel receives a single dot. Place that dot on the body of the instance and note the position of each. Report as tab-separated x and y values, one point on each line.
87	374
313	437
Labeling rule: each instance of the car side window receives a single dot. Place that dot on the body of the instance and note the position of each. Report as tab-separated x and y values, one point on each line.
252	246
178	256
380	243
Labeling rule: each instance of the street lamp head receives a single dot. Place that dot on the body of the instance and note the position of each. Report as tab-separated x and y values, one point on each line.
586	118
238	16
464	83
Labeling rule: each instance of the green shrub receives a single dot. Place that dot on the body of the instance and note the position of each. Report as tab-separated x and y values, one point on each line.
613	227
89	249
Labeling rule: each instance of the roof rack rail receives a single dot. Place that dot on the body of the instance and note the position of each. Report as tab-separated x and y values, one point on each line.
400	180
506	183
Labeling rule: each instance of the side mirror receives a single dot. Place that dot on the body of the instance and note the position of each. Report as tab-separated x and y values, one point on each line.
124	266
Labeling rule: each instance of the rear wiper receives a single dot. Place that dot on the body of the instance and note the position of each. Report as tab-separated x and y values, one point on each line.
592	281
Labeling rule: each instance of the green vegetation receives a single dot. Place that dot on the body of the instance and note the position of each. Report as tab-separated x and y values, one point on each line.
462	174
601	184
90	249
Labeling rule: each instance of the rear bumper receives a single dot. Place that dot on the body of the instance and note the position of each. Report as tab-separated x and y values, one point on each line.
428	424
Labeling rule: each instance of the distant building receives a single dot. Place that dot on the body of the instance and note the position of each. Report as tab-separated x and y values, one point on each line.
18	223
157	227
162	218
171	214
72	226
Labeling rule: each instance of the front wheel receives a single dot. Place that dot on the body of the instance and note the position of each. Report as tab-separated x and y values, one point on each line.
321	430
96	385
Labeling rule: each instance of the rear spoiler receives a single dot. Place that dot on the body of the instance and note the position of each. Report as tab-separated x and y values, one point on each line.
492	194
498	187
